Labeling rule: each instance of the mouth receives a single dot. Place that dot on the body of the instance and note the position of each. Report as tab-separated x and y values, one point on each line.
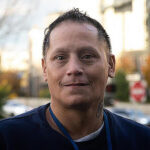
77	84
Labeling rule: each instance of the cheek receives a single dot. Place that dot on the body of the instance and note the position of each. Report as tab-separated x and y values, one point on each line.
99	77
51	77
54	78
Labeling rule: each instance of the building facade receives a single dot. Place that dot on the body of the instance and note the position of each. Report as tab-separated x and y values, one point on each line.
128	24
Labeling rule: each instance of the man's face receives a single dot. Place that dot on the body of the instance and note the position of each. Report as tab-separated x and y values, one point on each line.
76	66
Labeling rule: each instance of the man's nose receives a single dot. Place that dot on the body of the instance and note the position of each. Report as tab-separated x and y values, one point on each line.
74	67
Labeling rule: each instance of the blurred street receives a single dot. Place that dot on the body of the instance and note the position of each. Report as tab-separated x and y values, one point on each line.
145	108
36	102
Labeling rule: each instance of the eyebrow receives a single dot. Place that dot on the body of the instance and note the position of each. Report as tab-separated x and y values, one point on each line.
61	50
87	48
84	48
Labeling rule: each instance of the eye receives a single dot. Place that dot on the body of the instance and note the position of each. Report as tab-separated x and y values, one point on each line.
60	57
88	56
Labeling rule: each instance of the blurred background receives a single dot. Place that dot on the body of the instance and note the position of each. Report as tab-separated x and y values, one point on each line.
22	24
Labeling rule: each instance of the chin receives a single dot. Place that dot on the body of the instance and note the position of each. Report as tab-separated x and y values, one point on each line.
78	103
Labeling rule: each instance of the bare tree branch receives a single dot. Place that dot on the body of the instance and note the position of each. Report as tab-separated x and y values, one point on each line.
14	15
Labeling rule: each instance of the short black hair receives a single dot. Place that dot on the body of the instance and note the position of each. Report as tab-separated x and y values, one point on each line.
76	16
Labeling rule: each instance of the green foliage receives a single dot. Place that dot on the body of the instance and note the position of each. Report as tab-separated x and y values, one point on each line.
9	86
44	93
13	79
5	90
122	86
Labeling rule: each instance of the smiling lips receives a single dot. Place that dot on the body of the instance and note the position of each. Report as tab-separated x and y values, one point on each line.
77	84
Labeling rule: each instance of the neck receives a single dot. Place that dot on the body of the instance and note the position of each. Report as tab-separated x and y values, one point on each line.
77	122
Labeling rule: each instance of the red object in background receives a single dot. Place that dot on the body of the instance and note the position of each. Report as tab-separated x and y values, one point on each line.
138	91
111	88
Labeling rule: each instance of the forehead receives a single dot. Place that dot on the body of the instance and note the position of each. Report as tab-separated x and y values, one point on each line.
71	34
78	27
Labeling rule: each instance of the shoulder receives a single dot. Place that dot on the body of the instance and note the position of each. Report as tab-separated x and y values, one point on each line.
127	127
127	134
23	120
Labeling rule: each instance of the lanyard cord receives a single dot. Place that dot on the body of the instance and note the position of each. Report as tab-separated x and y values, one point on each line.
108	137
64	131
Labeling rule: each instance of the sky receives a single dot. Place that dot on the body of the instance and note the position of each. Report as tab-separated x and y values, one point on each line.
33	14
40	9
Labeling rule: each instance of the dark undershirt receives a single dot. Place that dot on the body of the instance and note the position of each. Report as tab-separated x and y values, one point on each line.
99	143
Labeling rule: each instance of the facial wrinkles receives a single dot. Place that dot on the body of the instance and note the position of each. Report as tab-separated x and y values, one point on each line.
76	41
72	41
83	78
57	40
74	70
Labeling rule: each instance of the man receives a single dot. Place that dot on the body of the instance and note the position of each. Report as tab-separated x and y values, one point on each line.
77	62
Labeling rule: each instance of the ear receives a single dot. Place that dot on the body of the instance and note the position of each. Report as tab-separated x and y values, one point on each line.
44	68
111	65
